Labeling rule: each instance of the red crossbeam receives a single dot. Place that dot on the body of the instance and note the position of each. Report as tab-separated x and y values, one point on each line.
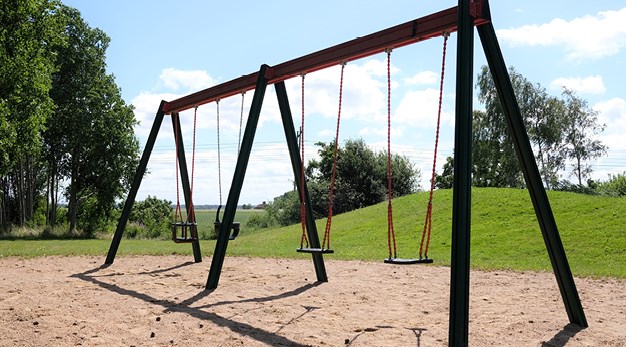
400	35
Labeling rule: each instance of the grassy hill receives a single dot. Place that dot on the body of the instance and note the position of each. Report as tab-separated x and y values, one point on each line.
505	234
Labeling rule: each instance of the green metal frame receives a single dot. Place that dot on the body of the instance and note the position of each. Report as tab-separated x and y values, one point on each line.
538	195
240	171
470	13
141	171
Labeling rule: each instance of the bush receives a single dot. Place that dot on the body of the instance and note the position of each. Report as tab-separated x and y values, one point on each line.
615	186
150	218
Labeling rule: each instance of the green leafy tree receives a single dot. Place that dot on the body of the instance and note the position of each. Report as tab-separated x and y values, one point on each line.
153	215
28	30
90	140
615	186
445	180
494	159
580	128
361	178
558	129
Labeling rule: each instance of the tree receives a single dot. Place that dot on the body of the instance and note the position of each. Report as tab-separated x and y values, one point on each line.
28	29
558	129
361	181
152	214
361	178
446	179
580	126
90	139
494	159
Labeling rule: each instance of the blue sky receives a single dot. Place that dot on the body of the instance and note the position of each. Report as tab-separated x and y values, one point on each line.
167	49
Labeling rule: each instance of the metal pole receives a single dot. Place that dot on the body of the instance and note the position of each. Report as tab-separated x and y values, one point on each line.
132	194
528	164
240	172
296	163
184	178
461	198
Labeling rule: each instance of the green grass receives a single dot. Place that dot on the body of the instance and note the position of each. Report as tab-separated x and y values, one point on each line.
505	234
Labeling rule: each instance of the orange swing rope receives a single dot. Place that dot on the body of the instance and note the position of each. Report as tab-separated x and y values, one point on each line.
303	240
428	220
329	219
391	235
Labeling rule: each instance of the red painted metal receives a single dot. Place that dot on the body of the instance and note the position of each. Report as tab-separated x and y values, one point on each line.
400	35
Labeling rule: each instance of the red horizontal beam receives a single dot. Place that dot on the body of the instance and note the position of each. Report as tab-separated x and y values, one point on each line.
408	33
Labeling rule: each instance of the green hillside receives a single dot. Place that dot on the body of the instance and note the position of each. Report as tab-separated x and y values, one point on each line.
505	232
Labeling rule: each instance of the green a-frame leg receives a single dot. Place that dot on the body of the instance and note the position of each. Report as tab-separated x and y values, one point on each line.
141	170
240	171
461	209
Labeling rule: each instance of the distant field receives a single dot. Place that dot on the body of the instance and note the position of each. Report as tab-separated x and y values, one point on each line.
241	216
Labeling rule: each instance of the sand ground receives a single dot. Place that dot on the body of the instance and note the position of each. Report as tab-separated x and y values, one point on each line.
160	301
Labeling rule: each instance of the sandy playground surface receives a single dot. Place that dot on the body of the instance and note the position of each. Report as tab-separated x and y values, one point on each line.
160	301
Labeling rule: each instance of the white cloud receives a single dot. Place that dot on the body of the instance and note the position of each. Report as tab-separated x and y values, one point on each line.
587	37
364	97
419	108
423	77
587	85
188	80
613	113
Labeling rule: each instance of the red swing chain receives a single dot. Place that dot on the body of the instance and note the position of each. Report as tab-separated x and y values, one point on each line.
391	235
428	221
303	239
326	242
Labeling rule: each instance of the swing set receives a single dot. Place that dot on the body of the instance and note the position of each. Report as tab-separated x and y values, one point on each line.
462	19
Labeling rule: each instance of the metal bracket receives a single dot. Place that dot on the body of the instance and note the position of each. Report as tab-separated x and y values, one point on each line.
476	8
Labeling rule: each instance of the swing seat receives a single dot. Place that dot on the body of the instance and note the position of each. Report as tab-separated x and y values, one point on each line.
315	250
218	225
405	261
235	229
189	232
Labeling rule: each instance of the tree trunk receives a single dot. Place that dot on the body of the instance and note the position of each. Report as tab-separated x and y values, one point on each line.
73	198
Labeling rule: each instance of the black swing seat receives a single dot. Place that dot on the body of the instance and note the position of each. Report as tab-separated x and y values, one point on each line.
315	250
189	232
235	229
404	261
218	225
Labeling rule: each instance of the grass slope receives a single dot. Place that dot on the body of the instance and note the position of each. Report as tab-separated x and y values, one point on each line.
505	234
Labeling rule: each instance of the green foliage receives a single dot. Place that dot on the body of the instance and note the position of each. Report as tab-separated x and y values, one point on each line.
28	31
581	125
90	138
558	129
150	218
615	186
361	180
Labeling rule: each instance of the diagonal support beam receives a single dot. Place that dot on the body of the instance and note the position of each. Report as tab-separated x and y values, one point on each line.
237	183
296	163
184	179
528	164
134	188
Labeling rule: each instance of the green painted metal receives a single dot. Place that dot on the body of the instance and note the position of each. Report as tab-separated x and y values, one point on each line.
461	198
296	163
184	180
132	194
528	164
237	183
